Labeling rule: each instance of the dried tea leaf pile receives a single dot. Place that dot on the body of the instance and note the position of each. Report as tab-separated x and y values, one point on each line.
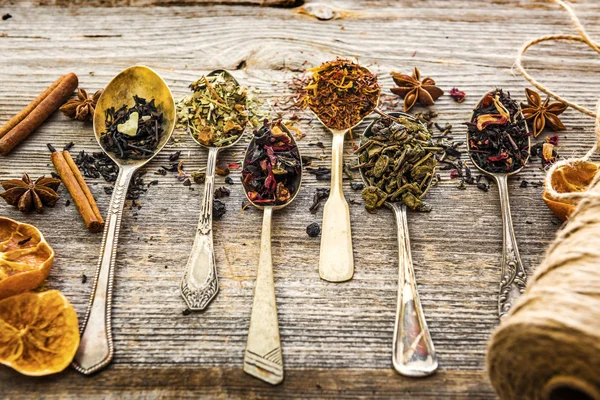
497	134
341	93
272	167
133	132
397	159
216	112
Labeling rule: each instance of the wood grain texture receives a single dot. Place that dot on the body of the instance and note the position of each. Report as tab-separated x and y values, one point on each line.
328	331
232	383
146	3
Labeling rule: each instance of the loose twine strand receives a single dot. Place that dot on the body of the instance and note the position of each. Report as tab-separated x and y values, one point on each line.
549	345
584	38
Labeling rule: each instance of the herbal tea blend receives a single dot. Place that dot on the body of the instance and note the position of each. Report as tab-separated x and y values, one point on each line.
398	162
341	93
272	167
216	112
497	134
133	132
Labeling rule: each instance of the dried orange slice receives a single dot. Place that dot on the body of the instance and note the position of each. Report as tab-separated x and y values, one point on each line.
25	257
39	333
568	178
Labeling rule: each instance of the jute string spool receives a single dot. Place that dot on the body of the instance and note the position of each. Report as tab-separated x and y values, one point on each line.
548	347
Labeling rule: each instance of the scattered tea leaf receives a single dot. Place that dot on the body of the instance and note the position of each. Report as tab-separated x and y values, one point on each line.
313	230
320	194
219	209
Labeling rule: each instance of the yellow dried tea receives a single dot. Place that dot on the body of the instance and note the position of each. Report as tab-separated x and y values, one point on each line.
216	112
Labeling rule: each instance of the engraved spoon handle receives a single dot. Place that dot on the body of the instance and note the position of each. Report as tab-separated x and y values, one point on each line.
199	284
412	348
96	348
263	358
336	262
513	278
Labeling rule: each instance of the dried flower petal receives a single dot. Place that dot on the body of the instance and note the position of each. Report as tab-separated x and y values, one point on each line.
548	156
458	95
552	139
490	119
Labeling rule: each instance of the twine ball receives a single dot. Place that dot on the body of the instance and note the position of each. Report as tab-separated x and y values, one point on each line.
548	347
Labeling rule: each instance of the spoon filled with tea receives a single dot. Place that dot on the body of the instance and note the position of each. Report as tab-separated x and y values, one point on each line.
498	142
215	115
134	119
340	95
397	162
272	175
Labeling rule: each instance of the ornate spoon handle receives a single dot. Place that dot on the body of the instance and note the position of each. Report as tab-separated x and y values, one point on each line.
336	262
513	279
96	348
263	358
199	284
413	352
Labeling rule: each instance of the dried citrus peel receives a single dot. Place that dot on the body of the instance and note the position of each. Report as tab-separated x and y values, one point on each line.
569	178
39	333
25	257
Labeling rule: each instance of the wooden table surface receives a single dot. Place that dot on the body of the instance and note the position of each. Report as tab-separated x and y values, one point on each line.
337	338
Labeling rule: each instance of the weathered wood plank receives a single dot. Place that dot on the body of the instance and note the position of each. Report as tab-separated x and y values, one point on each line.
456	248
119	382
146	3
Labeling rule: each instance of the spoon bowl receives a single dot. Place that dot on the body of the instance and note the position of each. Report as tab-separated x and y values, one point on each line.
191	133
138	81
413	353
367	134
496	174
299	177
513	278
199	284
263	357
96	347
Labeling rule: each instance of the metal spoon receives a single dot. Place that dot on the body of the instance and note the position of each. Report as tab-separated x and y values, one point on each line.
263	357
336	259
199	284
413	353
96	348
513	280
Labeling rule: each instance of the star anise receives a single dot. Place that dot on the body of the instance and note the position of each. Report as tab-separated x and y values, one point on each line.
28	195
412	89
539	115
82	107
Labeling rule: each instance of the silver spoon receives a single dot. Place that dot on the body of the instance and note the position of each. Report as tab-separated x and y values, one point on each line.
263	357
413	353
336	258
513	279
199	284
96	348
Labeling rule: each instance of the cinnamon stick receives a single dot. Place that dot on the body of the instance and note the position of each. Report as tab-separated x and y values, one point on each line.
32	116
83	185
93	221
14	121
